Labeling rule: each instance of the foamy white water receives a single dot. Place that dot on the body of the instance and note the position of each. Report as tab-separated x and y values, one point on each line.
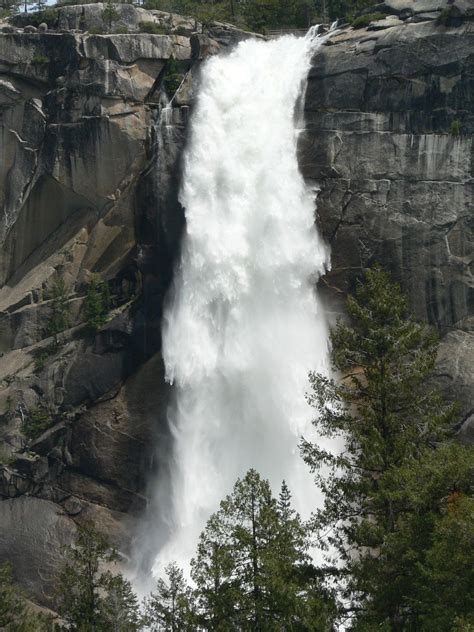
242	325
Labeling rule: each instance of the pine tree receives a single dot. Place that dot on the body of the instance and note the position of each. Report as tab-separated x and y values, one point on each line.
298	601
91	599
110	14
171	608
378	515
252	570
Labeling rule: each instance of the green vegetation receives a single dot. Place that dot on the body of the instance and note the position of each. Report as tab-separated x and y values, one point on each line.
450	16
110	14
364	20
252	569
15	615
172	606
37	420
153	28
261	15
181	30
389	495
41	357
91	599
256	15
40	60
96	304
173	77
456	127
59	319
348	9
48	15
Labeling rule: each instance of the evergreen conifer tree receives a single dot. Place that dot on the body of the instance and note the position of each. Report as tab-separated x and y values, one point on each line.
91	599
170	608
252	570
381	504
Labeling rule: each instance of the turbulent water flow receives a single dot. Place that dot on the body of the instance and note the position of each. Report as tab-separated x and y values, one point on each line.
242	324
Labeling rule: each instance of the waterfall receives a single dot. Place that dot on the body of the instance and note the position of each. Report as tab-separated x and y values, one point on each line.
242	324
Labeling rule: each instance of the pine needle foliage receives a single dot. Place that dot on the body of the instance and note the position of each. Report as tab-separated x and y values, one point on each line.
90	598
171	607
252	569
381	504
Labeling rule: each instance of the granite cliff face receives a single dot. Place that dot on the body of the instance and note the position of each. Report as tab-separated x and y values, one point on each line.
89	174
389	138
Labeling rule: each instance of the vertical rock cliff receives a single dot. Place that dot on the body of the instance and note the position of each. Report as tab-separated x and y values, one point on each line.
389	139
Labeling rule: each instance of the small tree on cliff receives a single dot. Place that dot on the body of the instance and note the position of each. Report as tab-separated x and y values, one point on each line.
110	14
381	506
90	598
60	317
96	303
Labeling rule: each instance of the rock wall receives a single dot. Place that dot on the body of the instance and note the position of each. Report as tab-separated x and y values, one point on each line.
90	165
389	115
89	173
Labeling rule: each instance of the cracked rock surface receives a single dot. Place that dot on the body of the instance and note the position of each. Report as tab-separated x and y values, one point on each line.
389	139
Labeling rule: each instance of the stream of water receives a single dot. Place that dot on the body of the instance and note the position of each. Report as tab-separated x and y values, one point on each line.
242	325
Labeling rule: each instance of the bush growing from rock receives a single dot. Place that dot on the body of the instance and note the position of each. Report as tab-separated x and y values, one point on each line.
110	14
153	28
37	420
121	30
173	77
364	20
40	60
456	127
48	16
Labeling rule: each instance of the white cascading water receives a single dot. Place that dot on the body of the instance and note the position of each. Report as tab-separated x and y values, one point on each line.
242	325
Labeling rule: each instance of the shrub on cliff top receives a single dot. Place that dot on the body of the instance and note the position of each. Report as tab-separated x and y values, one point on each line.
364	20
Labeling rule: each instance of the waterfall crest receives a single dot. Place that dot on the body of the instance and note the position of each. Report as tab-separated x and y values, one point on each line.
242	324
